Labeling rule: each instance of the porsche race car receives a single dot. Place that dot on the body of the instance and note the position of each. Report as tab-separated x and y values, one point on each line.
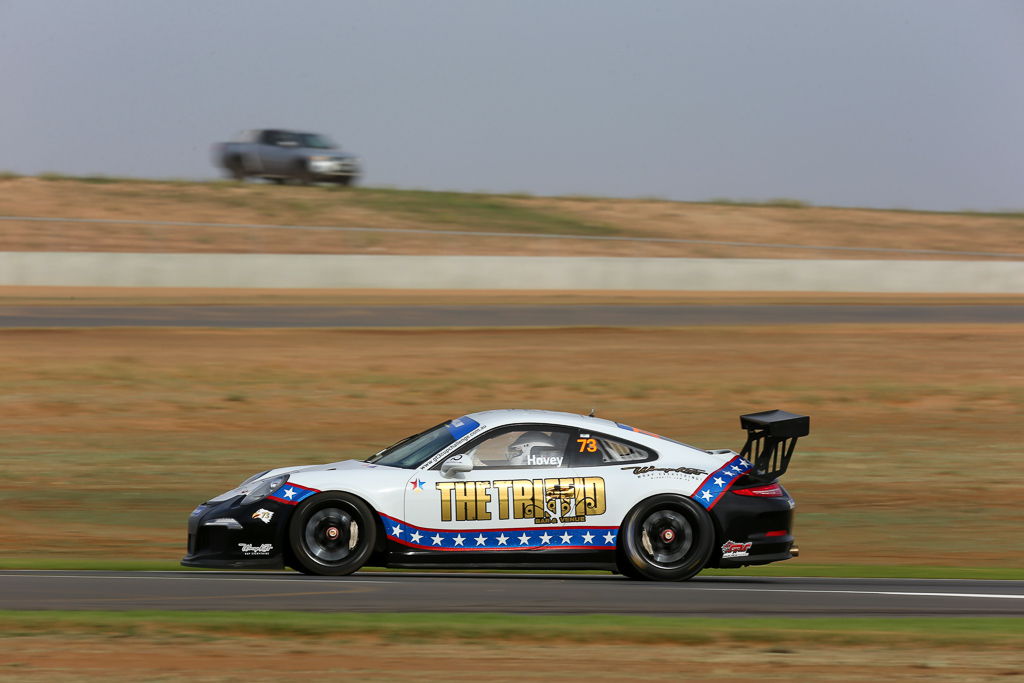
523	489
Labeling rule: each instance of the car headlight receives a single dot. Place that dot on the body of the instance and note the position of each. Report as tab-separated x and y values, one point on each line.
258	475
264	489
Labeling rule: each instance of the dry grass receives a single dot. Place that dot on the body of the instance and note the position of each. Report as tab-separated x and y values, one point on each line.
237	658
111	436
376	208
232	647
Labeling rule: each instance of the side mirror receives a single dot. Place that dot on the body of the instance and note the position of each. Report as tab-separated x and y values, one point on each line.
456	464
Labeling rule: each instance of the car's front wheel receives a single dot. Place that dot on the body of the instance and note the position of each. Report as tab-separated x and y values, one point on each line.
332	534
665	538
302	174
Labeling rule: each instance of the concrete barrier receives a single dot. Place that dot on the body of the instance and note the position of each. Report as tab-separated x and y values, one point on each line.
95	269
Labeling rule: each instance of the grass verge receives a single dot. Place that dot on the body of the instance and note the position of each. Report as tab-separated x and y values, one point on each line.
977	631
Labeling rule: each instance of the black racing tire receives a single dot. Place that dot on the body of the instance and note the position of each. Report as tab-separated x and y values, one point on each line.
627	570
299	568
331	534
665	538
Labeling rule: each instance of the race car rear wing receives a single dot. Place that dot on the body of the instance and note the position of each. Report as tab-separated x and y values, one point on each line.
771	438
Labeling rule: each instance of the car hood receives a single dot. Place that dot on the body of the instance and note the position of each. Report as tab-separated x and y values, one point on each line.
307	472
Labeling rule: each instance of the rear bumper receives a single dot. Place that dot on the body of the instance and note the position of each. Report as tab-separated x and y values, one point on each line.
752	530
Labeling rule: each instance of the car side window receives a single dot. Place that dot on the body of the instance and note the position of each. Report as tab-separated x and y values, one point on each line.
521	447
597	449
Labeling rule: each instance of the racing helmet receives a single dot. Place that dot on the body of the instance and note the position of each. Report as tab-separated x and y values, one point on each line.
531	444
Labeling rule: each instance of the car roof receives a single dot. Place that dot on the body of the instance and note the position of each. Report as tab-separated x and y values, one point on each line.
494	418
497	418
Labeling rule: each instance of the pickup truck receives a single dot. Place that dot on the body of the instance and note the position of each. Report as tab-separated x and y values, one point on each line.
283	155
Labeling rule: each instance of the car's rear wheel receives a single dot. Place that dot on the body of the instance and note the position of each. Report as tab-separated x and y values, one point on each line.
331	534
665	538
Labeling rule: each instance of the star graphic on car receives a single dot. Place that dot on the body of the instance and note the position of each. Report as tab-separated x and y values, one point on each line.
397	531
545	539
415	537
588	537
706	495
566	537
481	539
417	484
502	539
609	538
524	539
719	481
289	493
436	538
459	540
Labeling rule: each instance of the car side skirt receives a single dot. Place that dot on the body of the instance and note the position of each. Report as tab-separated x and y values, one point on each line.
553	558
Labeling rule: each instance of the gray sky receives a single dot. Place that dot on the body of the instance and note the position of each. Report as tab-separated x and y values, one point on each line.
888	103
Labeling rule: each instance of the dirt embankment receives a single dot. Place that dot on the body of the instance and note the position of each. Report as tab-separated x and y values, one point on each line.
720	229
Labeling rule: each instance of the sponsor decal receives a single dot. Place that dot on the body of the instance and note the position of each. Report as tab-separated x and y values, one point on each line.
461	426
733	549
527	538
544	460
417	484
566	500
444	452
263	515
292	494
250	549
198	511
718	482
648	471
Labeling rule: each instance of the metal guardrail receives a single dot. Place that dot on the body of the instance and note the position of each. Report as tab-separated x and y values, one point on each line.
518	235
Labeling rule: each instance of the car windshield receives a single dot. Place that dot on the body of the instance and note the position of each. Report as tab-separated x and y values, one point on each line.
314	141
417	449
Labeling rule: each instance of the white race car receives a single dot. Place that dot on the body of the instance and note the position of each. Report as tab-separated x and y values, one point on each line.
517	489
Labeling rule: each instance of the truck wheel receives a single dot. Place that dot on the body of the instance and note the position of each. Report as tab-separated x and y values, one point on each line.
235	168
665	538
303	176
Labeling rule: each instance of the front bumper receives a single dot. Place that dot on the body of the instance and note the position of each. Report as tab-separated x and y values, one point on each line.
752	530
334	168
229	535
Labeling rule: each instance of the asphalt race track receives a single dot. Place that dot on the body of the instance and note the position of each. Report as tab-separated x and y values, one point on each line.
508	593
497	316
